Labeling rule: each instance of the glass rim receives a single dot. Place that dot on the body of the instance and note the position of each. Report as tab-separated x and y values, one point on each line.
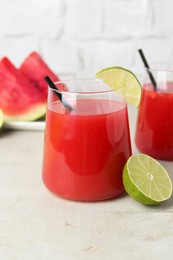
160	67
78	80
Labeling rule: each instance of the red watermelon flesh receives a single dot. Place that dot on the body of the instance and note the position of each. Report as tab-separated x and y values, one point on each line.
19	99
35	69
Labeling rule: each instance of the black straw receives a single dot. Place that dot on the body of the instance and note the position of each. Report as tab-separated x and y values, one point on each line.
58	94
148	69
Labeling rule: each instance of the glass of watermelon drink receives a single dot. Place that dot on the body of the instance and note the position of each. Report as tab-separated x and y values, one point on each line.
85	149
154	128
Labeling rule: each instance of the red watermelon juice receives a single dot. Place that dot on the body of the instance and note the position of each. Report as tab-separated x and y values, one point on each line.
154	130
85	150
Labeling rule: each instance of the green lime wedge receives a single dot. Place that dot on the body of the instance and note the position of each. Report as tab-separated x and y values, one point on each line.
123	81
1	118
146	180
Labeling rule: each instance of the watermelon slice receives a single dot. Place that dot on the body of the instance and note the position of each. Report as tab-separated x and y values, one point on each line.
1	118
35	69
19	98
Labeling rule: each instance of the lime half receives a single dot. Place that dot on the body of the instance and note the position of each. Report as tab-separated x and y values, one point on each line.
124	81
1	118
146	180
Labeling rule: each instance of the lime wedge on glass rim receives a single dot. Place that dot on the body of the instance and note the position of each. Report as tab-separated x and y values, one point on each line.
146	180
124	81
1	118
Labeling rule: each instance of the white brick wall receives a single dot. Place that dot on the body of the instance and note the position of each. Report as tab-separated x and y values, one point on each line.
79	37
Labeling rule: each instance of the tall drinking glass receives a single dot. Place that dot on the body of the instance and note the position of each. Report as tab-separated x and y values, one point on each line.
154	129
85	149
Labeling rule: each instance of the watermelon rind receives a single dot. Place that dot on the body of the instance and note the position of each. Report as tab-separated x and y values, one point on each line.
36	112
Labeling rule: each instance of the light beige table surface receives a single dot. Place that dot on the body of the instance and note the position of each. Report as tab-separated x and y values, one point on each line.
35	224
